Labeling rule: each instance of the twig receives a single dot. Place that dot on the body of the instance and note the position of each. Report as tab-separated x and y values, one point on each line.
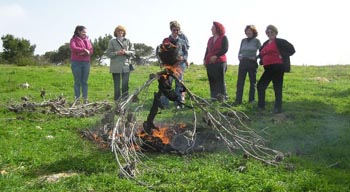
332	165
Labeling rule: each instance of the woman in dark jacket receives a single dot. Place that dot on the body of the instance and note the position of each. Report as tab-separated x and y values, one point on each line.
274	56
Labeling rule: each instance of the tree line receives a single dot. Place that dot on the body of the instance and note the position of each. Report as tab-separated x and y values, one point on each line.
20	51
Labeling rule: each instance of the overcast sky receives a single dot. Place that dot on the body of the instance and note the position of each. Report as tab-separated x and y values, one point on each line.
318	29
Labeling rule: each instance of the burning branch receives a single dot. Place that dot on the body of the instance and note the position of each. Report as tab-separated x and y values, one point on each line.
130	136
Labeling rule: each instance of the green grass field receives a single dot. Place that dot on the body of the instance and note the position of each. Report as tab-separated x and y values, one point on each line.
313	129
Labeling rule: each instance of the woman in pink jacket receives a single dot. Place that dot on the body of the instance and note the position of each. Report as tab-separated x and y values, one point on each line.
81	50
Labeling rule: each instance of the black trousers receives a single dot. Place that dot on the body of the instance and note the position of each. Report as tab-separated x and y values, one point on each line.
125	84
216	77
274	73
246	66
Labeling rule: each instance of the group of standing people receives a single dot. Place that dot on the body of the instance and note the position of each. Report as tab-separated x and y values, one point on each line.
120	50
273	55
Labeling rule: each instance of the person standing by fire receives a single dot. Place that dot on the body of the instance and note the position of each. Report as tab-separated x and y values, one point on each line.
215	61
170	57
179	39
187	43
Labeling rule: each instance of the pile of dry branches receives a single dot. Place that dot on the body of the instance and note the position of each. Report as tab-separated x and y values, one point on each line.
60	107
228	124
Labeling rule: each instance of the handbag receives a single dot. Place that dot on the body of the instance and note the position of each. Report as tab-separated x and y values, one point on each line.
131	67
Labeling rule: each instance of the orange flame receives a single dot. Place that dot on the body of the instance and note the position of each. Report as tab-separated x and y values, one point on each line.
176	69
182	125
162	134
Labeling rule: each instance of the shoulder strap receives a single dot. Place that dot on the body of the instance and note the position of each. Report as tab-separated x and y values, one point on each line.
120	43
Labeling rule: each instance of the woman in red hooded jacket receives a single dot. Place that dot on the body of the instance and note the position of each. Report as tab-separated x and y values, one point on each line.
215	61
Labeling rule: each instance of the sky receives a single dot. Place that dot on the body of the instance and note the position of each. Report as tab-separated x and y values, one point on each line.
318	29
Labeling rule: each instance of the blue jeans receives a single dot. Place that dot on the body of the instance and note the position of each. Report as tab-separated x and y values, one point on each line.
81	71
178	85
125	85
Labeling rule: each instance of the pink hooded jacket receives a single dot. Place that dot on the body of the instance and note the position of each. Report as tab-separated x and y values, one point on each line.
77	46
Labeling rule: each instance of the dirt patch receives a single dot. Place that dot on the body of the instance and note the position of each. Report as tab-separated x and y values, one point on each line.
320	79
279	118
56	177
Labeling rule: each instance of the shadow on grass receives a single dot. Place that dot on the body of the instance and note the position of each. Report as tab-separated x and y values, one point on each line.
87	165
339	94
308	129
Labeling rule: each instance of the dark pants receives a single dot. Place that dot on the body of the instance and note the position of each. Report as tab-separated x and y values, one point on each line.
246	66
275	74
216	77
125	84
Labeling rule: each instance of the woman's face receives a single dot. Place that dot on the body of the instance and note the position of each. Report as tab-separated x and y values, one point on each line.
82	33
270	34
213	30
249	33
120	33
175	31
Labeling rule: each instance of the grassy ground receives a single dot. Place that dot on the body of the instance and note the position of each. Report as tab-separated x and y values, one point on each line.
313	129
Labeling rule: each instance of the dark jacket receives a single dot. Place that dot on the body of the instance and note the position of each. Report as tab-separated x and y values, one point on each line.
286	50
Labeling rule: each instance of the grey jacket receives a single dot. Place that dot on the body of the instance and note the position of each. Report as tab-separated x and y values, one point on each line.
120	63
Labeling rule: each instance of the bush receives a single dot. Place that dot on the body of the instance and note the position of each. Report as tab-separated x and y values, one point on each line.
25	61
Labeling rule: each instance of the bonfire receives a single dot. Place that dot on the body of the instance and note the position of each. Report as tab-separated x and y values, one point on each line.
129	133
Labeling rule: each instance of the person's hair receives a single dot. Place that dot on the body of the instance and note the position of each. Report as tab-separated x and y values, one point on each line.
119	28
174	24
78	29
220	29
252	27
272	28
